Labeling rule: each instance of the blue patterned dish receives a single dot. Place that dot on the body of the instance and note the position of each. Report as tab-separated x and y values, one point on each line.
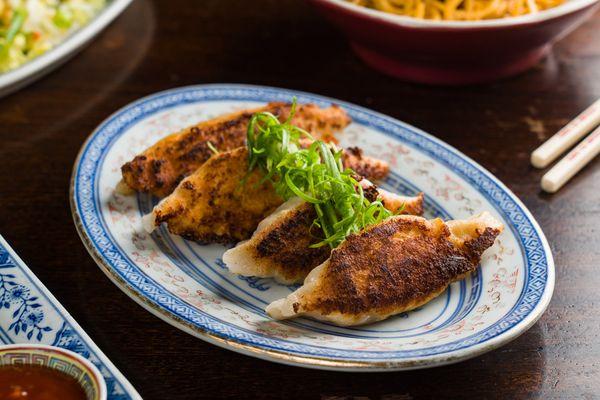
187	284
65	361
32	318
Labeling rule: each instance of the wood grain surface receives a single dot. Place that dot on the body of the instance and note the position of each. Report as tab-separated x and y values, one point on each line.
163	44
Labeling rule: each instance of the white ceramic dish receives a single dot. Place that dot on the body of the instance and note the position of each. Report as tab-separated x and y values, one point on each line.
39	66
187	284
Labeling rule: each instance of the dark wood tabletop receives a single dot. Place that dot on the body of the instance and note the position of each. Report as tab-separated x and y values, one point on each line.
164	44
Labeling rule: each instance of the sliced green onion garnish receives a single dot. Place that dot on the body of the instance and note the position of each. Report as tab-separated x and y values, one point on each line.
315	174
211	147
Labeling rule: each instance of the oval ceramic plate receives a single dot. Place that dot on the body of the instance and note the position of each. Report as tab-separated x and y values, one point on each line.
187	284
39	66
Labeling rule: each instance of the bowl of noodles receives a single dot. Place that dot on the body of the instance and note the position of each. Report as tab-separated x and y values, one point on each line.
454	42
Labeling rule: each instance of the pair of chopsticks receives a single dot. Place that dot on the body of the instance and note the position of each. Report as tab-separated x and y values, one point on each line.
577	158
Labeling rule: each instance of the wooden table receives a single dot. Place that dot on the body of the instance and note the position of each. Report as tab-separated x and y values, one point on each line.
160	45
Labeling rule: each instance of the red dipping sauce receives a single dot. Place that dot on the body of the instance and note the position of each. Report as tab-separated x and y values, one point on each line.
34	382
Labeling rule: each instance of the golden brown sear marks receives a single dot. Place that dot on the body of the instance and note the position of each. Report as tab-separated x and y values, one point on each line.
161	167
369	167
212	205
389	268
280	247
396	203
321	123
286	247
392	264
402	204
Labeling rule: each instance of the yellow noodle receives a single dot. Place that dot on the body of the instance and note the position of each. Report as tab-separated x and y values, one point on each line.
467	10
433	10
450	7
420	9
469	5
533	8
438	5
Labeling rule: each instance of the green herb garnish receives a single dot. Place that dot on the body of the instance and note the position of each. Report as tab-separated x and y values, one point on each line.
315	174
211	147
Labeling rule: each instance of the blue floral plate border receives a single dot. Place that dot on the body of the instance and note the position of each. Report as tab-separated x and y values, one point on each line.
29	313
532	302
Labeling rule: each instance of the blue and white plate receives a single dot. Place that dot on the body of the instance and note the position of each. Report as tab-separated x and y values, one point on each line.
30	314
187	284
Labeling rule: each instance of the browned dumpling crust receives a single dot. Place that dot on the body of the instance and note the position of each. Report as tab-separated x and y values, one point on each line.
392	267
369	167
161	167
213	206
281	245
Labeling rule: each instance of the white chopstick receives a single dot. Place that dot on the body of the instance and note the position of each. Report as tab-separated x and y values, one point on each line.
567	136
572	162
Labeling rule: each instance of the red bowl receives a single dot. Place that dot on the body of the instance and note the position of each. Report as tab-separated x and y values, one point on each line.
453	52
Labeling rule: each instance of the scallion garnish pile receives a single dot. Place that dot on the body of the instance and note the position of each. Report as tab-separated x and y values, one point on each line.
314	174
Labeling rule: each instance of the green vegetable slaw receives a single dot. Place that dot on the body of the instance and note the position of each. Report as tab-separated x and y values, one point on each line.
29	28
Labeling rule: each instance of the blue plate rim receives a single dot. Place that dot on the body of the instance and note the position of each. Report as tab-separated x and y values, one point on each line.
318	361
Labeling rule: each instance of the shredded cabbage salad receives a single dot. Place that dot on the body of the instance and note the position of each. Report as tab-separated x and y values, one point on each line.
29	28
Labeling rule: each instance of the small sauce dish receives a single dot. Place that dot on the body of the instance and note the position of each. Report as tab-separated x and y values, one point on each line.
29	371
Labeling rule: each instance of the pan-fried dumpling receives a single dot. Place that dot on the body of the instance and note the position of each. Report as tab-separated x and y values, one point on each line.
213	206
280	246
159	168
392	267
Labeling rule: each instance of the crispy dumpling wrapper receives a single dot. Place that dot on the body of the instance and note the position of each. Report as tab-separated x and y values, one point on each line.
280	246
160	168
212	205
392	267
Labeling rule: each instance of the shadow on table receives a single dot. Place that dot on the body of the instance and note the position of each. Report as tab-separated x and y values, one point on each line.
125	46
516	370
